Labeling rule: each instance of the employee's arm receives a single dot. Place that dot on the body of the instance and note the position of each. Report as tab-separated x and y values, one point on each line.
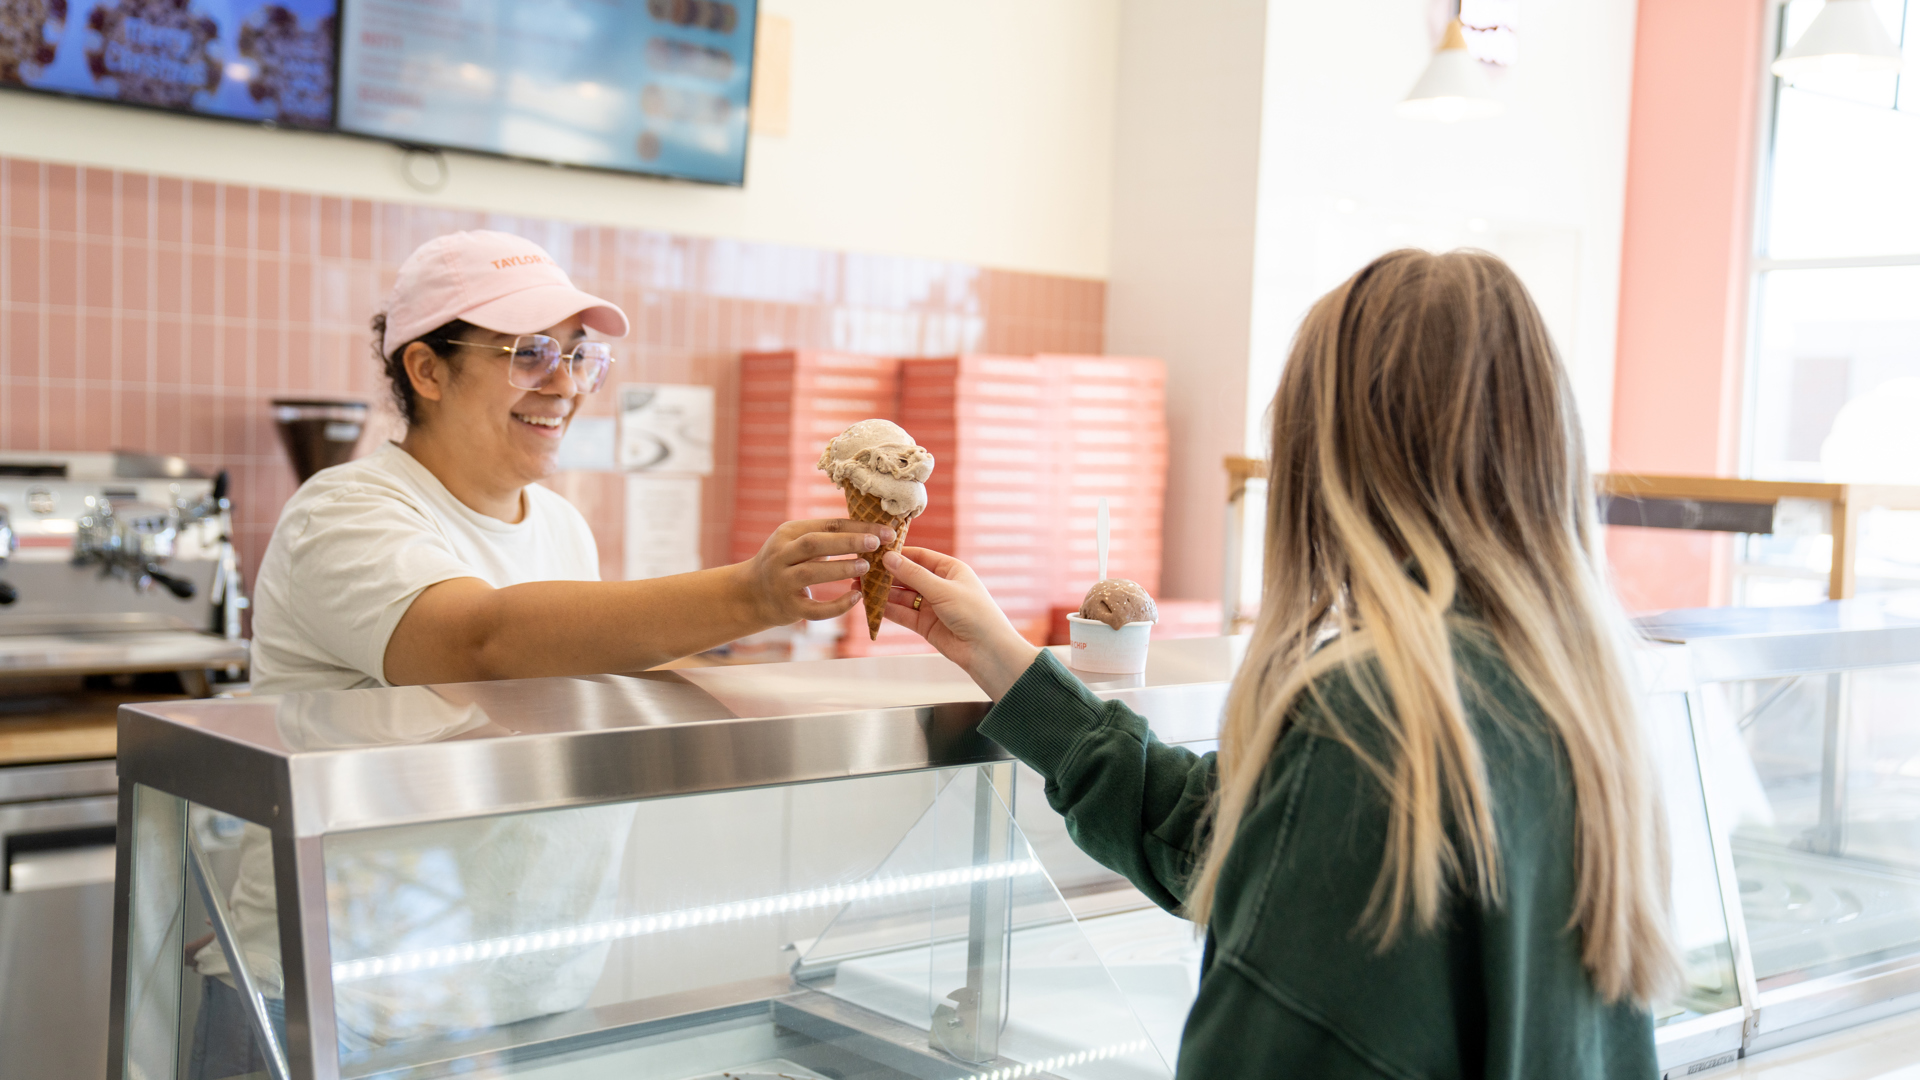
464	629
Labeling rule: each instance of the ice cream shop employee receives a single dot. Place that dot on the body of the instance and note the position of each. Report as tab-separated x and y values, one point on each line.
439	559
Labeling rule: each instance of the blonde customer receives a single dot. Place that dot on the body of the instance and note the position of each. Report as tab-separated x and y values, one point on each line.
1430	844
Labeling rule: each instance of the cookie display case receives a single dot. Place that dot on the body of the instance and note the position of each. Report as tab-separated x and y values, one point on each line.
804	870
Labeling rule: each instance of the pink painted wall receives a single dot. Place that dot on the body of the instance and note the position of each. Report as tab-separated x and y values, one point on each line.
1684	277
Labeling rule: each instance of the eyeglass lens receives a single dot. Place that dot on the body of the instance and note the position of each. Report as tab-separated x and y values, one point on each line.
536	357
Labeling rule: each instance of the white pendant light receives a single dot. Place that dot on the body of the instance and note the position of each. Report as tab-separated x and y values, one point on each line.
1846	37
1453	86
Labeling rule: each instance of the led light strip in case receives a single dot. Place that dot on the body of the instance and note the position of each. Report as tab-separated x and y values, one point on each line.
1065	1061
407	963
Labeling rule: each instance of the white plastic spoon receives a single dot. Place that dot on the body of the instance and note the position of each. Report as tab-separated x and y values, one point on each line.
1100	538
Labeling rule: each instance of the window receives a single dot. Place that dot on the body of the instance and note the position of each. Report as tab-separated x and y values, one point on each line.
1833	391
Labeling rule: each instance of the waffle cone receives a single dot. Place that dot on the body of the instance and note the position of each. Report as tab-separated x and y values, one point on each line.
878	580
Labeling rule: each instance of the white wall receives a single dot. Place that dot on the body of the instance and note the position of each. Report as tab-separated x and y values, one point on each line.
1259	162
1186	156
1343	178
977	131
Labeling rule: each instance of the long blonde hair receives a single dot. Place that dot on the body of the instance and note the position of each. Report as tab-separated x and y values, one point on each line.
1426	448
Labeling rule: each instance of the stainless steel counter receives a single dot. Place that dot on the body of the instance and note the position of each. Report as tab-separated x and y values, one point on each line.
1747	643
461	749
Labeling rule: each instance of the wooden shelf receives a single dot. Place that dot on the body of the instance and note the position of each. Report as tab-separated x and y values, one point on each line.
1845	504
77	726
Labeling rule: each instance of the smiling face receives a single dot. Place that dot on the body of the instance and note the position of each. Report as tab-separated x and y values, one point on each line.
497	435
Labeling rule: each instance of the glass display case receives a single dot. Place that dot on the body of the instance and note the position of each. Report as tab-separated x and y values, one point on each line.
819	870
1807	721
797	870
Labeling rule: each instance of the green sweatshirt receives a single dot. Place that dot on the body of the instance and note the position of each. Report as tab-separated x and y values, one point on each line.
1290	985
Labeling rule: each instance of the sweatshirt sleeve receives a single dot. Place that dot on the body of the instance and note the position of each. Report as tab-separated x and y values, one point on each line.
1132	802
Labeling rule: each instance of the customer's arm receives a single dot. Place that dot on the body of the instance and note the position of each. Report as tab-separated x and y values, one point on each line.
1132	802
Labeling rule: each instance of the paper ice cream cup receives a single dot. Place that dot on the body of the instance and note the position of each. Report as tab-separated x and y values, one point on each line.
1101	649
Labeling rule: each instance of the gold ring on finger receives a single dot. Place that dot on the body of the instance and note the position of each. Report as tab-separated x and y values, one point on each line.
916	602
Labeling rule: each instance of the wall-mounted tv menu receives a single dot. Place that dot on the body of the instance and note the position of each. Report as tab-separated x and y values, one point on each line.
652	86
246	59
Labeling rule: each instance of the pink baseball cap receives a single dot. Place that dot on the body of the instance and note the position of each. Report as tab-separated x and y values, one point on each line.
493	280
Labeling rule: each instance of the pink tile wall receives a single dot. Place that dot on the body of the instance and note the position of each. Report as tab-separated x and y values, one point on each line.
149	313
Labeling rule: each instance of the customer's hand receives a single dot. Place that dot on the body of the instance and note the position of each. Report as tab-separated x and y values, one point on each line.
801	554
957	617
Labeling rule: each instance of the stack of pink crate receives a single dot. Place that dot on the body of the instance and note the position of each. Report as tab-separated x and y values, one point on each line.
1109	427
990	502
791	403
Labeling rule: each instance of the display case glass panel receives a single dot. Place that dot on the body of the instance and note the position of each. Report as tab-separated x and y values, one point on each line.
890	926
893	926
232	1019
1821	781
1699	909
150	863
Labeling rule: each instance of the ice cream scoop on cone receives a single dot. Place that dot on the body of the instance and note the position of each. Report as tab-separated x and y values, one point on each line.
883	475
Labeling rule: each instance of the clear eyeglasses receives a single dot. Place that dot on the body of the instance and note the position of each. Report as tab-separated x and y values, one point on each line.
534	358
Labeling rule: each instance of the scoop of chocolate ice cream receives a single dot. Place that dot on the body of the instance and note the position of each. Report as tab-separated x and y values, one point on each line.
1117	602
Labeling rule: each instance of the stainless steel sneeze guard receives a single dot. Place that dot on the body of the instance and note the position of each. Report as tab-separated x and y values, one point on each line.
320	770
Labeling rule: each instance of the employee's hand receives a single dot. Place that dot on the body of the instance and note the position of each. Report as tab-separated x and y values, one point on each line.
957	617
801	554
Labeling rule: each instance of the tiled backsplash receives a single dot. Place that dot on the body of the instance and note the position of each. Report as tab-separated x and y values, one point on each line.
150	313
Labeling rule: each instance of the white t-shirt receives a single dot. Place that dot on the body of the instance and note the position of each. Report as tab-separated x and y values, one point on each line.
358	542
354	547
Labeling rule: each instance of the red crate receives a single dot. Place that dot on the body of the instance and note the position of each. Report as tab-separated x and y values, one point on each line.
1109	439
985	420
791	403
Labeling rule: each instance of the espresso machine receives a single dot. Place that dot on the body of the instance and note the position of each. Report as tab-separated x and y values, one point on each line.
117	563
118	583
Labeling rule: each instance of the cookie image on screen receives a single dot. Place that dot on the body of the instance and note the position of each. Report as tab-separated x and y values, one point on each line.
293	64
26	44
155	51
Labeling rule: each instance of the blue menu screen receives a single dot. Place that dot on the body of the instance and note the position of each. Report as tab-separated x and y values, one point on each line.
238	58
651	86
